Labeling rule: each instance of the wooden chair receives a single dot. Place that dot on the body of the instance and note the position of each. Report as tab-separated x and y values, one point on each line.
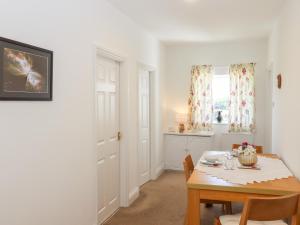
272	209
188	170
259	149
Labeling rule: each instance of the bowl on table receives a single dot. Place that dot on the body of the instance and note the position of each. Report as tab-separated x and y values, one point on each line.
213	156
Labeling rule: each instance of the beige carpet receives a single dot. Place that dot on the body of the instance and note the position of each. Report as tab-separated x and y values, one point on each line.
162	202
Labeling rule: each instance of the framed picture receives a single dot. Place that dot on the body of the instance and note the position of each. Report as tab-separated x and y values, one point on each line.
25	72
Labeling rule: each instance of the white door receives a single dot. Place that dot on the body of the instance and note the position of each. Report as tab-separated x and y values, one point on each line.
144	127
108	157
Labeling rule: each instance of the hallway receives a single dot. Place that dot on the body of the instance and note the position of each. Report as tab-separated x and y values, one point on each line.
161	202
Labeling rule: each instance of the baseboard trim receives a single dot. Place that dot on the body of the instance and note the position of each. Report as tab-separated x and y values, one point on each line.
159	170
133	195
173	168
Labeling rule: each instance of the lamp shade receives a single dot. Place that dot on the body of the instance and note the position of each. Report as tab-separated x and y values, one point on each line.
181	117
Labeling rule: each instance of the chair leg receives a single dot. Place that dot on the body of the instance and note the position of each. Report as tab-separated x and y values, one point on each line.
228	208
217	222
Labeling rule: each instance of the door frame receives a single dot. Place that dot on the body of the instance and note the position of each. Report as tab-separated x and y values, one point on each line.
152	118
123	114
270	88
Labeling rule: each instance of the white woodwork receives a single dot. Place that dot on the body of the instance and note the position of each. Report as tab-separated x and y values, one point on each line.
144	126
107	123
196	145
178	146
175	147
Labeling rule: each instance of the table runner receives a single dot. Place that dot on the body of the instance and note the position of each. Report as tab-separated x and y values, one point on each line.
271	169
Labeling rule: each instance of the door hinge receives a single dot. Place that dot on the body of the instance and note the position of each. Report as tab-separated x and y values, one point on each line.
119	135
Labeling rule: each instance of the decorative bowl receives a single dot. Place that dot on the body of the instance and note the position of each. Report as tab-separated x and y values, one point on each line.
211	158
247	160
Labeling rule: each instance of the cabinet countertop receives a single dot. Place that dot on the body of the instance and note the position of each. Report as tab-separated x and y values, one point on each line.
200	134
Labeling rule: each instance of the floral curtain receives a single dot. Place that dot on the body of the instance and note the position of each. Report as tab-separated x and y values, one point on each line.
242	94
200	100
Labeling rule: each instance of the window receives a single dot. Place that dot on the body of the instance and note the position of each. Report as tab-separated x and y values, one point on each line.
221	94
228	91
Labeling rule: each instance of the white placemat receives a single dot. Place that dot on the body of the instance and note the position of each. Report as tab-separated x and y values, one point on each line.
271	169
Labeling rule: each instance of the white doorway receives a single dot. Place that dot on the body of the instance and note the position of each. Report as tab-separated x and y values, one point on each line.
269	109
144	127
107	75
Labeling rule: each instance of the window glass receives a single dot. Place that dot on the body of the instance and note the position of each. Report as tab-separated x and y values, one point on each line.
220	90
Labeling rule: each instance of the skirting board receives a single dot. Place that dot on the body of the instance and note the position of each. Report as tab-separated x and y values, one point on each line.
172	167
133	195
159	170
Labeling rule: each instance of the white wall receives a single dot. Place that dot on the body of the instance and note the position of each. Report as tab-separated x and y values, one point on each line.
222	140
181	57
160	93
284	54
48	167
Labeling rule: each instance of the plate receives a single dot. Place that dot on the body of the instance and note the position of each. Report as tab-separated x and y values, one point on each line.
205	162
213	156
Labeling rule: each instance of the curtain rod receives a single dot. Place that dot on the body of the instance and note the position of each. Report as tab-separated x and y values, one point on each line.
215	65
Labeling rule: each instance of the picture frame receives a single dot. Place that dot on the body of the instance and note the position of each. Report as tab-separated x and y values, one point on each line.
26	72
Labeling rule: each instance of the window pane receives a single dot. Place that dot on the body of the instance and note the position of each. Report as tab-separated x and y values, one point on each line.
220	91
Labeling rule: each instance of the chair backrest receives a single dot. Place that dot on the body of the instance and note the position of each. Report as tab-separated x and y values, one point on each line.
259	149
270	209
188	166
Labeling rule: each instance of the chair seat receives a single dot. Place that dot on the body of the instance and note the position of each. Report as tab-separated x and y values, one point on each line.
235	220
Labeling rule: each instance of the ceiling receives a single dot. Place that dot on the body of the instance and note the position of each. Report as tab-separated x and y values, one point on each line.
203	20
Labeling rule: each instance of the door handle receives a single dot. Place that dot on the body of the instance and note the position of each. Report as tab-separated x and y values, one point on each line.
119	135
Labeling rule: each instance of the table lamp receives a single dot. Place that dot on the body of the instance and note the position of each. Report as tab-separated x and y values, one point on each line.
181	119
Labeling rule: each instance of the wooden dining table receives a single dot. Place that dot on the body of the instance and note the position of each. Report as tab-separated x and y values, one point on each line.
204	186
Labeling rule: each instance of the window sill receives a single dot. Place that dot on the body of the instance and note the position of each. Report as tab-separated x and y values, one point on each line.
238	133
200	133
220	123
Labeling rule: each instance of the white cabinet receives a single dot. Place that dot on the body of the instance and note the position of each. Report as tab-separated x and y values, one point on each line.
177	146
175	151
197	145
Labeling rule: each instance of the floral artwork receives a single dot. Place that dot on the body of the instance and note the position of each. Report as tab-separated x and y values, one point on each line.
242	95
200	100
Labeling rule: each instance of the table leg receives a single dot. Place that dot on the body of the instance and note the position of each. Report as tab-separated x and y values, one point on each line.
296	218
193	207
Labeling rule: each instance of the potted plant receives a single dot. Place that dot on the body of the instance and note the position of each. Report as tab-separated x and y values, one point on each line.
247	154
